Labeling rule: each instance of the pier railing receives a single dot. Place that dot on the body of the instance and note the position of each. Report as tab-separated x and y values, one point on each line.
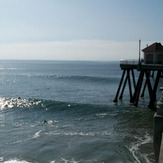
129	61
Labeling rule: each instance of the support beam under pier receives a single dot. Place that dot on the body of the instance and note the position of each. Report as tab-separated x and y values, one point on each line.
117	94
124	82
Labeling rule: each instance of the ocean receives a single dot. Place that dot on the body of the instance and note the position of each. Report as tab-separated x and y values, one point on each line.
63	112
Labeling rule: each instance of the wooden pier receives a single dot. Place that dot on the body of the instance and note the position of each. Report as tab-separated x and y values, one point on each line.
144	81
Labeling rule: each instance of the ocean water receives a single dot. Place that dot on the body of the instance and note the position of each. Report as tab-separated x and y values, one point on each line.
62	112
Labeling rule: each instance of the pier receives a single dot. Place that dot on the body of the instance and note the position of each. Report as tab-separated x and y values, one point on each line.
152	63
137	88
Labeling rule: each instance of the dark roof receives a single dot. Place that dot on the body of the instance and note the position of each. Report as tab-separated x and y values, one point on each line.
156	47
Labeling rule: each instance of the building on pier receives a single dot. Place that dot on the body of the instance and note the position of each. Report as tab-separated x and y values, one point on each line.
153	54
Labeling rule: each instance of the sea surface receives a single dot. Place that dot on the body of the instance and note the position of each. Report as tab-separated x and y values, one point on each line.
63	112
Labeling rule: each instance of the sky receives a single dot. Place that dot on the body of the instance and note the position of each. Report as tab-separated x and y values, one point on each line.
98	30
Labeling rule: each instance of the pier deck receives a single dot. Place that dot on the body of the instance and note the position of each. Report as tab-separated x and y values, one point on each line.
151	67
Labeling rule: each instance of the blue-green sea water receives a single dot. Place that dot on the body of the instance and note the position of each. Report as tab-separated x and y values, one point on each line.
62	112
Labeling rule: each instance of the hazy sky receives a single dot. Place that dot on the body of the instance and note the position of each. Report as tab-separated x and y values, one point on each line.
78	29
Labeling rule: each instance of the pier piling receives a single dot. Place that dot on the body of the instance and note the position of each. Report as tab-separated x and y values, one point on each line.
116	97
124	85
157	138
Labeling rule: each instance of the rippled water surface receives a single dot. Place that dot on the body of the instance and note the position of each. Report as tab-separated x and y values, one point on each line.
62	112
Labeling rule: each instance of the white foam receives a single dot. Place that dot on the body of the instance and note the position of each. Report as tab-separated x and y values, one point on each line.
79	134
16	142
16	161
69	161
52	162
49	122
65	161
1	159
134	149
102	115
37	134
104	133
